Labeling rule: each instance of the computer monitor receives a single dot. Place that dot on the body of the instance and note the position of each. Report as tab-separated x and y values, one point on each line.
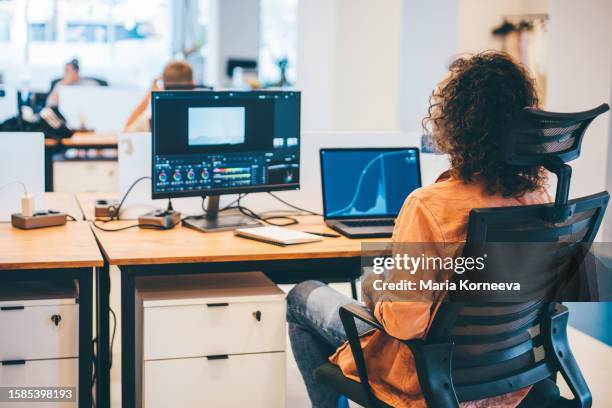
99	108
209	143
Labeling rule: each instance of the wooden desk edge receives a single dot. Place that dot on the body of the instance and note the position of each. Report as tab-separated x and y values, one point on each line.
52	265
227	258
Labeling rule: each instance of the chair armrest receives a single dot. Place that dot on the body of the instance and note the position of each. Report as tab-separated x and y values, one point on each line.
362	313
432	359
348	314
365	315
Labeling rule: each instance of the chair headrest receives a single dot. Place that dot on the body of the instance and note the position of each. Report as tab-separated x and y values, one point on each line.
534	136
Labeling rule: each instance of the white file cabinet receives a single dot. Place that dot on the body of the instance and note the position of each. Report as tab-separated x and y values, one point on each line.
39	345
215	340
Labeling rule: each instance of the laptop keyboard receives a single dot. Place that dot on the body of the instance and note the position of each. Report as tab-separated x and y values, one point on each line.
370	223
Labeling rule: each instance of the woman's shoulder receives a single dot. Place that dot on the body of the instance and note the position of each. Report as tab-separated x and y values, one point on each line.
445	189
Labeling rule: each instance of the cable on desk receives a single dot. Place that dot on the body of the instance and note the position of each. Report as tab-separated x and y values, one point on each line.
118	210
293	206
268	220
70	217
21	183
230	206
94	375
110	360
146	226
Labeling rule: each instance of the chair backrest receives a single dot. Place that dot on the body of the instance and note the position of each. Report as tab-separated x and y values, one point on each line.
500	346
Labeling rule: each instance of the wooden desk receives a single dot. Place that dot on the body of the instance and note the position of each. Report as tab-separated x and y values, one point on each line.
143	252
86	139
62	253
69	246
138	246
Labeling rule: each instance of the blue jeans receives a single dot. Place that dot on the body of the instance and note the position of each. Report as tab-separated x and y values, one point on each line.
315	332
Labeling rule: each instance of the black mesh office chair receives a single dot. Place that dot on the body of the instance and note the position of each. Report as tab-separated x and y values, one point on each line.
477	349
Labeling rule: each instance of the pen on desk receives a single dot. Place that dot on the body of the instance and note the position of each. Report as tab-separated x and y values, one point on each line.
323	234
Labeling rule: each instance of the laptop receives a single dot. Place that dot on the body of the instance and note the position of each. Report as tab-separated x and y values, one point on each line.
365	188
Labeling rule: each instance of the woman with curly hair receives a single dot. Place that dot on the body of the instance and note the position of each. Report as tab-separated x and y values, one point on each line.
468	112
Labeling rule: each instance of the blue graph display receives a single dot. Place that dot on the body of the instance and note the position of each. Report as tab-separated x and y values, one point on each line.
368	182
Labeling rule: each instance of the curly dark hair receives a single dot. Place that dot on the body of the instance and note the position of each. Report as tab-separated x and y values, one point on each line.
468	112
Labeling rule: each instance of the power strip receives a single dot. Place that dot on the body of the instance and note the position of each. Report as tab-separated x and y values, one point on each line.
163	219
39	219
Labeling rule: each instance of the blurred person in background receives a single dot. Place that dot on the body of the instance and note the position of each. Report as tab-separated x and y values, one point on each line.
176	75
71	77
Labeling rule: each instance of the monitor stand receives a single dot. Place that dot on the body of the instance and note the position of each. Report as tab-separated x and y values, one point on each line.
212	222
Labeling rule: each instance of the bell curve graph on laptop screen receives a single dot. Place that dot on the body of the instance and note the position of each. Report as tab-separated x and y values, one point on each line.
368	182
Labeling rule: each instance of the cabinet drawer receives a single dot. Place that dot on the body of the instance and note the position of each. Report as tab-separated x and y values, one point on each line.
248	380
29	332
40	373
214	328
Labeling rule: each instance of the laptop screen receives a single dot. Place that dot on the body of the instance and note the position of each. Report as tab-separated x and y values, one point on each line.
368	182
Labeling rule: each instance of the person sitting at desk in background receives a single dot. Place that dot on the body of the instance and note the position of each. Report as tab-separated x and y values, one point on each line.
468	111
177	74
71	77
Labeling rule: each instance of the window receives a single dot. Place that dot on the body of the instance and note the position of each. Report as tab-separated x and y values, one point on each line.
125	41
6	16
278	40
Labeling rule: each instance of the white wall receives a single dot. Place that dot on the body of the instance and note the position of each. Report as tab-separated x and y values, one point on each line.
316	63
478	17
348	64
580	57
234	33
368	65
429	41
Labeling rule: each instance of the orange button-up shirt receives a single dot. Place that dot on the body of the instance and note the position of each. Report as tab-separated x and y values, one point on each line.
436	213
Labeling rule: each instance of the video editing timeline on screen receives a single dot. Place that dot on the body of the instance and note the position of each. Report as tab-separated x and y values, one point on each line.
225	171
205	142
370	182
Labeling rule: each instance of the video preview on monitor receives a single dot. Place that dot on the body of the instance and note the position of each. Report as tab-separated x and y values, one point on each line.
368	182
223	142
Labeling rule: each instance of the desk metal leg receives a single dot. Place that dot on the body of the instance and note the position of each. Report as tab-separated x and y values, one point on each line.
85	336
128	347
354	288
49	153
102	330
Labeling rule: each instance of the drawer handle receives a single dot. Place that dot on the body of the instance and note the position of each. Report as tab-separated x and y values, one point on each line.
7	308
218	357
56	319
217	304
13	362
257	315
